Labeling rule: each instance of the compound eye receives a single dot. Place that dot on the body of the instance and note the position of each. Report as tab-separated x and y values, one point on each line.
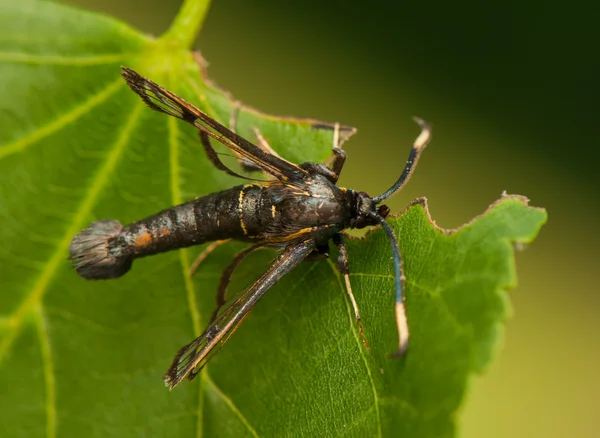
361	222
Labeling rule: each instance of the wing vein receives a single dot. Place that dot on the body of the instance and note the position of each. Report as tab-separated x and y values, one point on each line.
165	101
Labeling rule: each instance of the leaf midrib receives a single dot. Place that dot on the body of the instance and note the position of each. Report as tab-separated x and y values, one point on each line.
80	61
176	199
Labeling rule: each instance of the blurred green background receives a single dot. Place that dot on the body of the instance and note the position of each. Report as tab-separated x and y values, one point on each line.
512	90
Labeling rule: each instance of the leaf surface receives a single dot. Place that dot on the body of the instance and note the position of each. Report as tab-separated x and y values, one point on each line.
83	358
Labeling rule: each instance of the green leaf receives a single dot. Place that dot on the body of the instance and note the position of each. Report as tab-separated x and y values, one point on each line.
82	358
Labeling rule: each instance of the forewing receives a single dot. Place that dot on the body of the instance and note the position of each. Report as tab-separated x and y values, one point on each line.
161	99
190	360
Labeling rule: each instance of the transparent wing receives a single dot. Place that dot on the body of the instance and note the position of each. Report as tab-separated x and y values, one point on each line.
160	99
190	360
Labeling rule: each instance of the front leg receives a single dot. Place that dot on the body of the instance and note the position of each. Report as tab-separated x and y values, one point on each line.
342	265
247	165
321	252
338	162
339	158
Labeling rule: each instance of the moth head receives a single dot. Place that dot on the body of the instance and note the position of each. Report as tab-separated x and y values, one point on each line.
365	211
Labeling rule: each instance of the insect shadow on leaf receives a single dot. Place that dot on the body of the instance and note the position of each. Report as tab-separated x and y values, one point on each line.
299	211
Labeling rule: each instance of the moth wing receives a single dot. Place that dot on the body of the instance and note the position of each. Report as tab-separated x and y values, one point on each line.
190	359
161	99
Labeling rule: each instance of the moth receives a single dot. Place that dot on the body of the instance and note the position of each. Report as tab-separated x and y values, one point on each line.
299	211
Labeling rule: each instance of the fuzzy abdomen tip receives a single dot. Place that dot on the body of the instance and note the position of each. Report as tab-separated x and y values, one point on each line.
100	252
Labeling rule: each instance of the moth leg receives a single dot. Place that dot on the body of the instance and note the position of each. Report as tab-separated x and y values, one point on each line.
190	359
342	265
321	252
262	143
320	169
234	113
160	99
202	256
247	165
338	153
226	278
336	161
213	157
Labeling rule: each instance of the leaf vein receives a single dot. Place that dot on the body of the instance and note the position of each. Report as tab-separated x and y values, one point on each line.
49	377
358	343
33	298
230	404
59	123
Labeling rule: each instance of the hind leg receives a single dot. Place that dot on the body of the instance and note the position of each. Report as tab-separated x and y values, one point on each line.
226	278
321	252
202	256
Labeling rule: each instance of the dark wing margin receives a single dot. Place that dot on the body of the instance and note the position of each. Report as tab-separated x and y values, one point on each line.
161	99
190	360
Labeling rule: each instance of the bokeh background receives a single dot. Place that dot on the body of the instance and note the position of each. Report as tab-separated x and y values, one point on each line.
512	89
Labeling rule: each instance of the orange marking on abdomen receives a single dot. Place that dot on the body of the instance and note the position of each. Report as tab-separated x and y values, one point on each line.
143	239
